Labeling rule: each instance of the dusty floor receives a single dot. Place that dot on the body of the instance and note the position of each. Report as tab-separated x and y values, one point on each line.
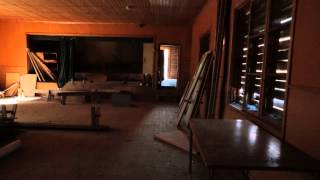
128	152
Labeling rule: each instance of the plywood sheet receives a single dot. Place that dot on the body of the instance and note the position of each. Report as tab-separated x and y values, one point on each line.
28	84
177	139
12	78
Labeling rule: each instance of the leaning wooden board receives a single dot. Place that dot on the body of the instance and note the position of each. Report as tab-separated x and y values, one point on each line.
28	84
196	94
204	61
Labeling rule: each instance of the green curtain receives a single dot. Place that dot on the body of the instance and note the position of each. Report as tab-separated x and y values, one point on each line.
66	69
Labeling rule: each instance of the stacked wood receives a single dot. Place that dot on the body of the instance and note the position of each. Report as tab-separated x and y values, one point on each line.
12	90
40	55
40	67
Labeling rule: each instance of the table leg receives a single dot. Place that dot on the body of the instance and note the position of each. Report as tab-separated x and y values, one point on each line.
211	173
63	100
87	98
190	151
3	113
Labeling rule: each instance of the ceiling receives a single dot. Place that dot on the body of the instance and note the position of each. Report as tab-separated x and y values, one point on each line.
155	12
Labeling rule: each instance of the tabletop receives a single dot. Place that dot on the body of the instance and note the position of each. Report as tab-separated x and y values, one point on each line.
242	144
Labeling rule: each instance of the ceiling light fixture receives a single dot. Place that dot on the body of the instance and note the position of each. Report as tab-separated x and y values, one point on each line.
160	2
129	7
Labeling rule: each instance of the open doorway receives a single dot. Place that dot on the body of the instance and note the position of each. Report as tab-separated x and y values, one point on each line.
168	65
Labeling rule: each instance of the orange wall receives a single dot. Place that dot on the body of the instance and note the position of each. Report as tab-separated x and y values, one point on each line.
13	56
203	23
303	124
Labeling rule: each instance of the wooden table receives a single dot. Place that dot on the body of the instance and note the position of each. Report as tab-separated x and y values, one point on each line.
240	144
4	112
86	93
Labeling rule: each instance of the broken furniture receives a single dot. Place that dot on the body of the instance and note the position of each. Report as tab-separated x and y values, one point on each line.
85	93
240	144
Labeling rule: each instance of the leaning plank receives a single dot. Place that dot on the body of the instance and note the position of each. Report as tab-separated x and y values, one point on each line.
40	55
35	66
175	138
36	69
184	93
204	61
44	67
9	148
195	95
202	87
12	90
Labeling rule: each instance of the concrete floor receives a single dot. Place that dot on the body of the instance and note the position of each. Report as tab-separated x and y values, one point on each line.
128	152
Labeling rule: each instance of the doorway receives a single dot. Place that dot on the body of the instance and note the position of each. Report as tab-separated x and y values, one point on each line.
168	66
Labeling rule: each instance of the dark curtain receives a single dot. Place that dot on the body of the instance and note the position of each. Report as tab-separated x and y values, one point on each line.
66	69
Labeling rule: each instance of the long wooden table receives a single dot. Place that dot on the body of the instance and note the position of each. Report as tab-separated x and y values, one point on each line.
5	114
240	144
86	93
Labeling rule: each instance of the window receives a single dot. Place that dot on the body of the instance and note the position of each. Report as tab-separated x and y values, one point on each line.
261	54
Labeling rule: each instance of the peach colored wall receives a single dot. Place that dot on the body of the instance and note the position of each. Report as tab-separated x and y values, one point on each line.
13	56
303	124
203	23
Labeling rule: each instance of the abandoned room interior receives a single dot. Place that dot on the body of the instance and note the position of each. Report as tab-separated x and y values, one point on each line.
160	89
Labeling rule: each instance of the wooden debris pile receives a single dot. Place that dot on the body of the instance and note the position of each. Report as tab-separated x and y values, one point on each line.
42	71
12	90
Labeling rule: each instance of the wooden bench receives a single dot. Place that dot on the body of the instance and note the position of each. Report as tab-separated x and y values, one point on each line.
86	93
8	115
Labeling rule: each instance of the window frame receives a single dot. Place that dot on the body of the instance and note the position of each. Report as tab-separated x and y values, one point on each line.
259	117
